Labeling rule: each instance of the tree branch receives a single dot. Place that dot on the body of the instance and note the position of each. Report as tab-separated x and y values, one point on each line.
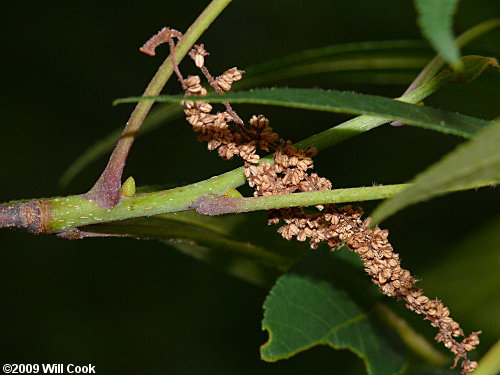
62	214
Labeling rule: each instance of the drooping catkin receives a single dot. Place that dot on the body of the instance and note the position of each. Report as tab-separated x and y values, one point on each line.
338	226
289	173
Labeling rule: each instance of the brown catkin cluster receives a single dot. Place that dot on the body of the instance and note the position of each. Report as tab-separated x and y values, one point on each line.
289	172
216	128
338	226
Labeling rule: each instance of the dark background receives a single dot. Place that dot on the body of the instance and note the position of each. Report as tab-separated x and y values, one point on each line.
131	306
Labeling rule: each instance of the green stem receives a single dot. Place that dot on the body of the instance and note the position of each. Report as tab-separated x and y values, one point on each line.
413	340
217	205
62	214
171	111
106	191
490	363
364	123
75	211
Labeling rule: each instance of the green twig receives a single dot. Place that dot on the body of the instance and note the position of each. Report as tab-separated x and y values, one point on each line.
62	214
171	111
106	191
214	205
218	205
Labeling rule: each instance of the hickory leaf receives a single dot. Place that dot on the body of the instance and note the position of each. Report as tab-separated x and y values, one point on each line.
325	300
477	161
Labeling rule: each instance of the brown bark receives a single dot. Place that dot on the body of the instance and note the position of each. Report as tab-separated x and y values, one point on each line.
29	216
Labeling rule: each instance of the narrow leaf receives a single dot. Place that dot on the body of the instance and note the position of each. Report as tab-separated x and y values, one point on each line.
340	51
381	62
476	162
435	21
474	66
324	300
347	102
378	56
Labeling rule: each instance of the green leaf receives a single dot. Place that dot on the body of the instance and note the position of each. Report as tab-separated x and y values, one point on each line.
381	62
347	102
476	162
435	21
340	51
324	300
392	58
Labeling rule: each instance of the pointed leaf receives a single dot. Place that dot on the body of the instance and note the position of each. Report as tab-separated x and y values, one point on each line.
475	163
377	60
379	56
435	21
347	102
389	57
340	51
324	300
